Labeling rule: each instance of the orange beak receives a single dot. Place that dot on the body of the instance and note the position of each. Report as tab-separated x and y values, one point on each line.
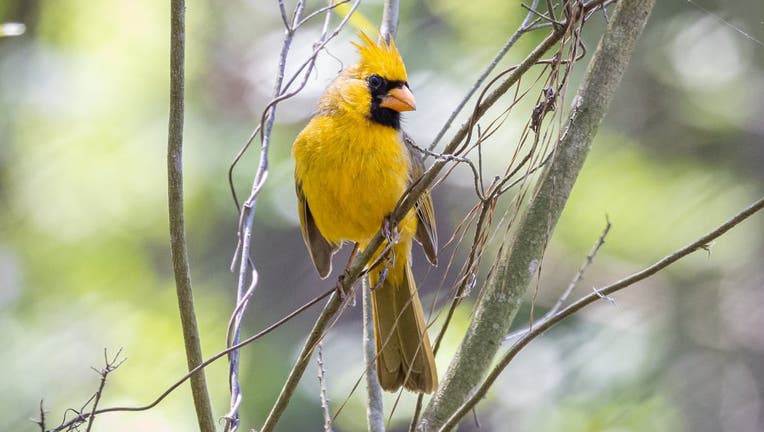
399	99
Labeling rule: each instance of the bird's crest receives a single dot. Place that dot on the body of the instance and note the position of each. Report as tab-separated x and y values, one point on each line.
380	58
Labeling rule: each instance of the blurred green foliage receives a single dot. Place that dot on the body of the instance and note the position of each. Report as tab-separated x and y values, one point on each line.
84	261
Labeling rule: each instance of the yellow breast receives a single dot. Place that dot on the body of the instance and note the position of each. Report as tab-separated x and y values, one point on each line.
352	175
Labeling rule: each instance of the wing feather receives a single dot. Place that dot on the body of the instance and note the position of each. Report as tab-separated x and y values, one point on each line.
321	250
426	230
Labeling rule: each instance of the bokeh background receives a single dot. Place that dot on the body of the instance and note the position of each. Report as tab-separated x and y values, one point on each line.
84	255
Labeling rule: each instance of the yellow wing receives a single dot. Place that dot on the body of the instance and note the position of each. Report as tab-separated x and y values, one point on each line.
426	230
321	250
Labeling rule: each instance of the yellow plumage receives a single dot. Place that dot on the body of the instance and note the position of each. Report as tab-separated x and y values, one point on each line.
352	164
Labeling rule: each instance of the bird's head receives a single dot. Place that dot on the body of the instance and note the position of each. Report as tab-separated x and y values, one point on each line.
382	84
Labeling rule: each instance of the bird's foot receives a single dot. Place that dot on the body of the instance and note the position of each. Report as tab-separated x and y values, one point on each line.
390	230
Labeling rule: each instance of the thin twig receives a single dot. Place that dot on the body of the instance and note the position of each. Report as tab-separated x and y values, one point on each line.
571	286
479	82
405	204
110	366
316	334
82	417
375	413
424	182
319	11
699	244
517	261
180	262
247	214
41	421
322	390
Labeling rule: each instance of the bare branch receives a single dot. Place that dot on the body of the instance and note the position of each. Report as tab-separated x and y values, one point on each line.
524	27
571	286
699	244
322	390
82	417
110	366
375	412
319	11
390	17
247	213
375	409
180	263
316	334
41	421
518	261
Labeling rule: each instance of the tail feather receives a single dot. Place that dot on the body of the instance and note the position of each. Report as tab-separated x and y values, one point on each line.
404	353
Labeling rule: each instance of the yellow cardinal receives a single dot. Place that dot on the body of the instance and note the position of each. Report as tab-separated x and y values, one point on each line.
352	164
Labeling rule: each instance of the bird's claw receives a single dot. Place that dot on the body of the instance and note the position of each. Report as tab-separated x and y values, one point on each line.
390	230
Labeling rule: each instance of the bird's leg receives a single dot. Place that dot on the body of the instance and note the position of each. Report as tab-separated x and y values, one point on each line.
387	257
341	283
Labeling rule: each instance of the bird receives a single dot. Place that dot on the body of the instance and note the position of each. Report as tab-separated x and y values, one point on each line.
353	162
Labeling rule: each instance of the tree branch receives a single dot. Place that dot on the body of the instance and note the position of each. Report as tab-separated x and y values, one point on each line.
322	390
362	259
390	16
517	264
524	28
84	416
316	334
571	286
246	267
599	294
181	267
375	412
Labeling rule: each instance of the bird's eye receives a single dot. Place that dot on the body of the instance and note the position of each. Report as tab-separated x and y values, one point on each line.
375	81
